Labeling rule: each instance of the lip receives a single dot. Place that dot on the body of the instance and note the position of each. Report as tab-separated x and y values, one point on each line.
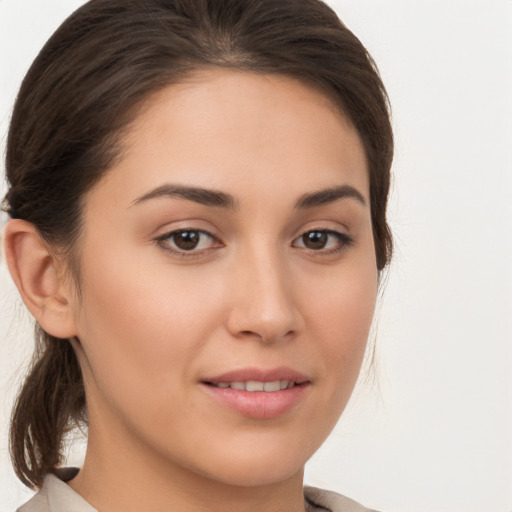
259	404
259	374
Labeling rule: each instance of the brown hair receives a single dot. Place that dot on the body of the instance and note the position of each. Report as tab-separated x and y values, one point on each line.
82	91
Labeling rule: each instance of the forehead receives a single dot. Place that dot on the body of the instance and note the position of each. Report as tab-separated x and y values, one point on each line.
221	129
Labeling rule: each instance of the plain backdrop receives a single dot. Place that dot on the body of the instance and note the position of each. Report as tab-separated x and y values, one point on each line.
434	433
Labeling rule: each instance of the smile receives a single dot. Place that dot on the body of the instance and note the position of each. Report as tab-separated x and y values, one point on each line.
254	385
259	393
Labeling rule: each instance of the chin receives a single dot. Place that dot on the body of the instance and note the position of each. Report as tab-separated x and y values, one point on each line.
265	461
256	473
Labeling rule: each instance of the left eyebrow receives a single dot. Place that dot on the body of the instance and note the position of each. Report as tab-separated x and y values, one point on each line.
329	195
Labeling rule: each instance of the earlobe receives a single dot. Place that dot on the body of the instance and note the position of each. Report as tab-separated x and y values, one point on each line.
39	278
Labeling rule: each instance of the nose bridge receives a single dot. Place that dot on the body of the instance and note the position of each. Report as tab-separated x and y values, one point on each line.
264	304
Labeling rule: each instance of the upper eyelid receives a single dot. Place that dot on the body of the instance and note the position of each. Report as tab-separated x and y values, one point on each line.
333	232
327	224
169	234
339	229
169	228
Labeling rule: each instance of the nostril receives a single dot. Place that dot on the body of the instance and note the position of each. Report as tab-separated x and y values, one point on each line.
266	338
251	334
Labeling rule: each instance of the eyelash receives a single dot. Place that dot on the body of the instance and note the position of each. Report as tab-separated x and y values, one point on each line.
343	242
163	242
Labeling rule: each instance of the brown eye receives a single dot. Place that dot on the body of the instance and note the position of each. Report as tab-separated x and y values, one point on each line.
315	239
324	241
186	240
192	241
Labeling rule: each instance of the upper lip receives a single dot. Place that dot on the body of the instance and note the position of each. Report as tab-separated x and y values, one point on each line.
259	375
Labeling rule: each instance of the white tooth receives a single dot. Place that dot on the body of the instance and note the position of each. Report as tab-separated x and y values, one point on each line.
238	385
253	385
291	384
222	384
283	384
272	386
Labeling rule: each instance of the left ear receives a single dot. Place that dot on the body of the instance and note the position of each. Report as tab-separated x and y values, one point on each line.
40	278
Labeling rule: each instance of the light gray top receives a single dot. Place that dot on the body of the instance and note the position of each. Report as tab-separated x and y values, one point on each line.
57	496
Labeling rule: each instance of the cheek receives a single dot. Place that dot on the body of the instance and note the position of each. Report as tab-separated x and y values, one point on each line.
139	329
341	302
340	314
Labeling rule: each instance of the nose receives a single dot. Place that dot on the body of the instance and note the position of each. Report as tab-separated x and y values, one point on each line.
264	305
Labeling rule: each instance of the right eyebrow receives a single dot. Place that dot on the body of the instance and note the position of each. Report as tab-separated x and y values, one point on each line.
329	195
199	195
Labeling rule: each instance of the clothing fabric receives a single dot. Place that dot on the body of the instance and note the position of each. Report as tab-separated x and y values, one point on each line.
57	496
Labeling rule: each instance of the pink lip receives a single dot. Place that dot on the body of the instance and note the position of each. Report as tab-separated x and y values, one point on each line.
259	404
259	374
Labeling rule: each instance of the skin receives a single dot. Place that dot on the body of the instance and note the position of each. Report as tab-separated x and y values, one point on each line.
150	325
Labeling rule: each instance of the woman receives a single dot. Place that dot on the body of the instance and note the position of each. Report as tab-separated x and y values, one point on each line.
198	222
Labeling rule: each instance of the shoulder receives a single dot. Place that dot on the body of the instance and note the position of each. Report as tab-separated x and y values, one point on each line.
39	503
329	501
57	496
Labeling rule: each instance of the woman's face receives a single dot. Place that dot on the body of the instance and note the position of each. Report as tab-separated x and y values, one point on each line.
228	280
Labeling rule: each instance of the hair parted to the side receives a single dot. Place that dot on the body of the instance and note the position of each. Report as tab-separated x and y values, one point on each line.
83	90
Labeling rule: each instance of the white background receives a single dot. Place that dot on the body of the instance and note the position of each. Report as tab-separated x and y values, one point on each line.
435	433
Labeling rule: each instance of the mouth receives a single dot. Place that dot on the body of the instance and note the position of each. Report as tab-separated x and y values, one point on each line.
257	386
259	394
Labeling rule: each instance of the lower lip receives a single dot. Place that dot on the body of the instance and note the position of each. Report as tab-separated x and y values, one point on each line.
259	404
